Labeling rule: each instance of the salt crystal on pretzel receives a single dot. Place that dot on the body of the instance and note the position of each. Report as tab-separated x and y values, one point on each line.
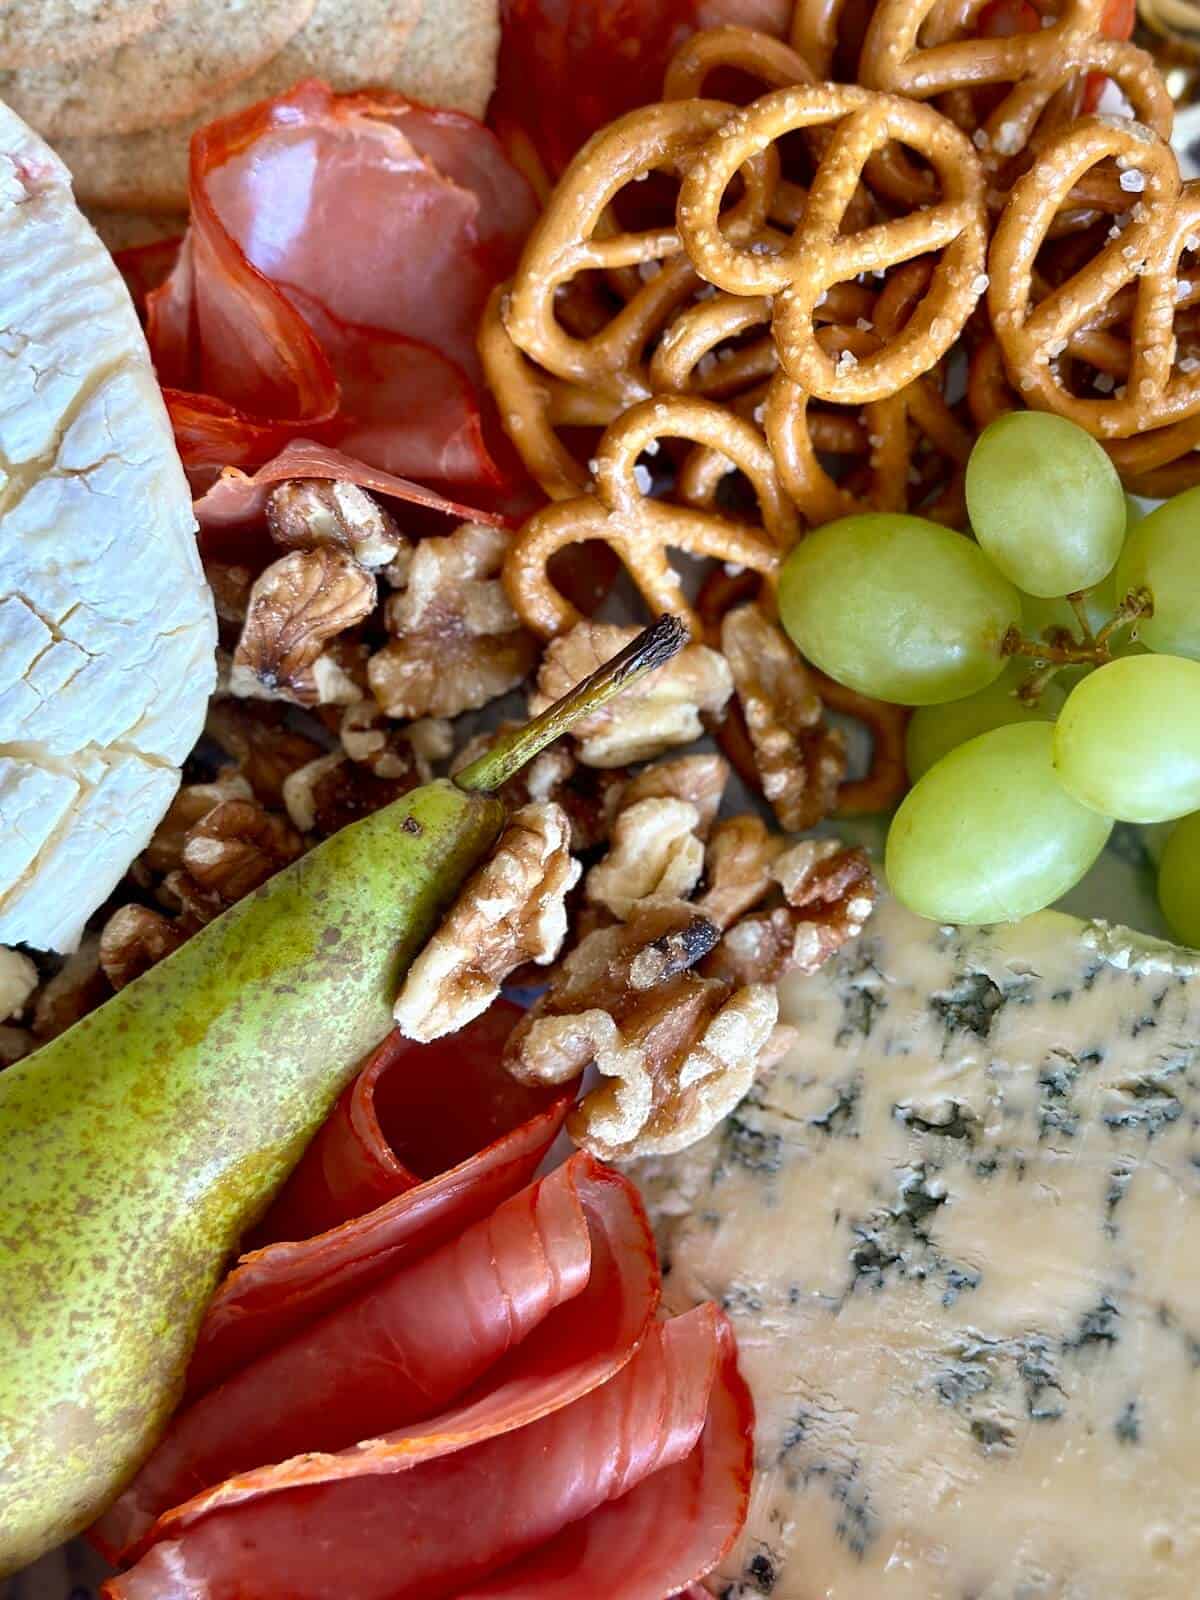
926	48
819	256
577	234
1142	262
641	530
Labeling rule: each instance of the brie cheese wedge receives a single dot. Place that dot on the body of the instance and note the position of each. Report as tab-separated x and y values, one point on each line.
107	631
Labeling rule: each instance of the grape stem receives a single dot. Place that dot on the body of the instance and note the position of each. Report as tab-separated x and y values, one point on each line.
1060	647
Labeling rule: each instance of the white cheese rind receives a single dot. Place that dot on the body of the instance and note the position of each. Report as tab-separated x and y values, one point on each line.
959	1235
107	631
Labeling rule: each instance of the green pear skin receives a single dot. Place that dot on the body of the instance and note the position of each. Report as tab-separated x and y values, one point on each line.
136	1148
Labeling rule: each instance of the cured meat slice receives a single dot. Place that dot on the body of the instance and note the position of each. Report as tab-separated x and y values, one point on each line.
451	1514
395	1354
674	1526
340	252
276	1290
414	1111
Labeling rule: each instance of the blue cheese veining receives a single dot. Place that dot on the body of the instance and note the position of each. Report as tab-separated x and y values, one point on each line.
959	1235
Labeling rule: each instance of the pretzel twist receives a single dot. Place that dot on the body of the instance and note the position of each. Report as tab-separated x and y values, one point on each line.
910	49
576	234
1144	255
642	530
818	255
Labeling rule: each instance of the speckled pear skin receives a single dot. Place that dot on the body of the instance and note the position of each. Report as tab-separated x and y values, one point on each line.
136	1148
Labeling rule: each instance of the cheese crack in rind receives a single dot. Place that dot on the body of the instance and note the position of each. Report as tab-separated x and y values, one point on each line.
107	631
958	1232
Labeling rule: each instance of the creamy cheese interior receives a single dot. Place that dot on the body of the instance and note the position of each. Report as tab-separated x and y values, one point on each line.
959	1235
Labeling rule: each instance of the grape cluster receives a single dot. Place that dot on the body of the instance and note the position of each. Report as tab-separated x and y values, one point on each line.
1054	661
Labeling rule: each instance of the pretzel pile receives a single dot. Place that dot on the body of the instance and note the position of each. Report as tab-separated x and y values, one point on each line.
738	320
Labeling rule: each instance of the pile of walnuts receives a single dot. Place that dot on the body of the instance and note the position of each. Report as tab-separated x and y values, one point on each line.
344	662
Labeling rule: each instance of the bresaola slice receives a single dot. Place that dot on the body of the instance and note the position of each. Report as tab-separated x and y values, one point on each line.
339	254
451	1519
431	1329
460	1391
413	1112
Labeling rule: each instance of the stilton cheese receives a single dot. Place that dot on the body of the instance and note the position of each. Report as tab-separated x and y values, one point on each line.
959	1234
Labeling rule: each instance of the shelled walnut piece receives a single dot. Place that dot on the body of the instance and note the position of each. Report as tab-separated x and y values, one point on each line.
511	910
655	715
677	1050
456	642
801	761
655	855
297	607
305	513
829	892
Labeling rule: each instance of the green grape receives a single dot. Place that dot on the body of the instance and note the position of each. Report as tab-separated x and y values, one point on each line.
933	731
1127	741
898	608
1179	880
989	834
1045	502
1162	555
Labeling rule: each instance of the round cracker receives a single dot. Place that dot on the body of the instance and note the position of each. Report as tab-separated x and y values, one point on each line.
450	57
63	30
202	50
350	43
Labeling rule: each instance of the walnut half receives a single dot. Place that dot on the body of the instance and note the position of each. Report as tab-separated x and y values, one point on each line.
830	893
297	607
456	640
511	910
801	760
656	714
676	1050
306	512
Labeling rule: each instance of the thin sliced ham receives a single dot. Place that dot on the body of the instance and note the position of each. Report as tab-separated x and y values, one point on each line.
394	1355
454	1513
275	1291
329	287
671	1529
414	1111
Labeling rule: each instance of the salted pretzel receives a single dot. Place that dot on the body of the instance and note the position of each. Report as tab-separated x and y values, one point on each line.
1157	464
1145	255
577	234
533	405
774	65
642	530
823	31
817	255
930	48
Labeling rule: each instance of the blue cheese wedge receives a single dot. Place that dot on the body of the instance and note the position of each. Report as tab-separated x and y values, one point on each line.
958	1232
107	631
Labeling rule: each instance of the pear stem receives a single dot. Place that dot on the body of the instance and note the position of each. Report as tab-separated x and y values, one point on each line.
652	648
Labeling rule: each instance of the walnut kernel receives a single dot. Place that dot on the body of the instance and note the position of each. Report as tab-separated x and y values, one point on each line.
656	854
297	606
511	910
133	940
456	640
801	761
307	512
659	712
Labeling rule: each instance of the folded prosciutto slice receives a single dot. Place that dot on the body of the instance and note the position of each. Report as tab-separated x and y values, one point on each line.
340	251
458	1387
